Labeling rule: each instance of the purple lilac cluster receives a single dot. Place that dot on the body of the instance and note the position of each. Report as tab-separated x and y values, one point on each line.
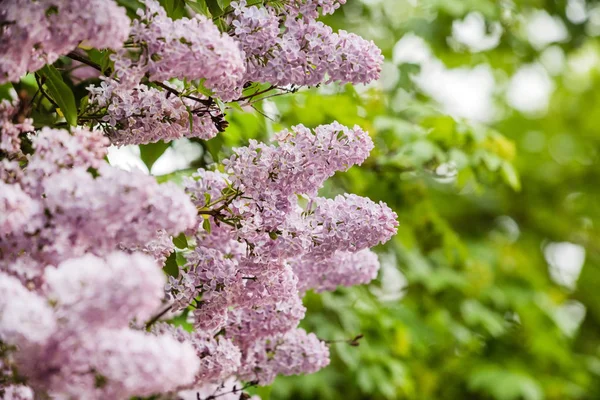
282	47
146	115
69	294
185	48
34	33
291	47
272	239
13	127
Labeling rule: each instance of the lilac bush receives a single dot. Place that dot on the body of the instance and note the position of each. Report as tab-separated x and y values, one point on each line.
91	306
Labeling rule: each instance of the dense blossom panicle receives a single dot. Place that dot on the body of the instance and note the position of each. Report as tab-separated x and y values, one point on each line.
246	325
34	33
137	364
255	29
16	392
159	247
350	223
82	243
311	8
99	291
57	149
25	317
304	52
293	353
143	114
16	209
12	126
219	357
230	389
342	268
301	163
83	213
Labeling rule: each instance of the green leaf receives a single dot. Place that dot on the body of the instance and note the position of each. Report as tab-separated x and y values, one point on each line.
199	7
61	93
83	104
206	225
181	241
175	8
132	5
152	151
214	8
510	176
171	267
5	90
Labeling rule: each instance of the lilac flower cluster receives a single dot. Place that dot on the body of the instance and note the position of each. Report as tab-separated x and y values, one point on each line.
193	49
82	242
12	128
292	48
282	47
146	115
69	296
245	277
34	33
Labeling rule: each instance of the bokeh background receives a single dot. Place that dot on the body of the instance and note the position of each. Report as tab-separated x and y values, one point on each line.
486	124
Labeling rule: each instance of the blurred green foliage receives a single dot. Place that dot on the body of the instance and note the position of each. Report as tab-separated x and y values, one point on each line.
465	306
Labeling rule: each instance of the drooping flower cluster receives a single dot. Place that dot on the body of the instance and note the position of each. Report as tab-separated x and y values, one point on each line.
81	242
12	127
34	33
68	294
282	47
264	248
292	48
192	49
147	115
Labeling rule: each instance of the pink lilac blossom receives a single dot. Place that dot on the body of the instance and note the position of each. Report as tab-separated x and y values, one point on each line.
349	223
98	291
83	213
25	317
193	49
91	352
16	392
16	209
34	33
58	149
160	247
219	357
11	130
303	51
230	389
144	114
293	353
341	269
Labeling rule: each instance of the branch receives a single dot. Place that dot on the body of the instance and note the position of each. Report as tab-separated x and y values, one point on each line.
157	316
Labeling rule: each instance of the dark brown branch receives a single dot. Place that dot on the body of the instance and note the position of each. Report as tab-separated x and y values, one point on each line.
158	316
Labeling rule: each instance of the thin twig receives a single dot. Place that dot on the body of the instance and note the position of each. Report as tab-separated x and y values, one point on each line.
158	316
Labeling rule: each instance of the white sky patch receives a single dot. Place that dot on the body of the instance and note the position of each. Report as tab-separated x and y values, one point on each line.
569	317
179	156
543	29
529	89
472	33
411	49
393	282
576	11
553	59
127	158
462	92
389	76
565	261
